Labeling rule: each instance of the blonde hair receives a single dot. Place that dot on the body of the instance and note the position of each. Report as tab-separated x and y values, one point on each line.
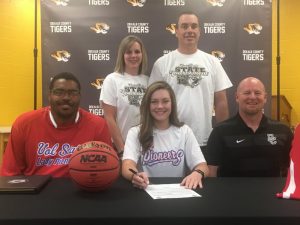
125	44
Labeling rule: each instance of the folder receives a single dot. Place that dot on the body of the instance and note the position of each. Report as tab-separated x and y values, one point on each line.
23	184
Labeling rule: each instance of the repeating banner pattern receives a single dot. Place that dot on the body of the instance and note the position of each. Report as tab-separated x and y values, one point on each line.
82	37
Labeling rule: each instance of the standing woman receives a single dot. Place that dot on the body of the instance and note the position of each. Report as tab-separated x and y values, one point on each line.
161	146
123	90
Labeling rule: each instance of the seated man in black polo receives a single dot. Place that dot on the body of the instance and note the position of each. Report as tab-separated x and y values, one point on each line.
249	144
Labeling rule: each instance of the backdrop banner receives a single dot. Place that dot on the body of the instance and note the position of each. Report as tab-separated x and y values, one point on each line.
82	37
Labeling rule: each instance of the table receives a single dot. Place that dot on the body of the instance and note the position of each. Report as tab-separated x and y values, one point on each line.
224	201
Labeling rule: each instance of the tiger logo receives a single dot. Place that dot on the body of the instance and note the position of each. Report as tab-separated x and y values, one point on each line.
61	55
218	54
98	83
171	28
219	3
193	81
139	3
100	28
61	2
253	28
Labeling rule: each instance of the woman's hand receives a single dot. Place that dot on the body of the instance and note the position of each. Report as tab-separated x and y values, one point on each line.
193	180
140	180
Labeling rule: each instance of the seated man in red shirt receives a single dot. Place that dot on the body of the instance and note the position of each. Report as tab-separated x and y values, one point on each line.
42	141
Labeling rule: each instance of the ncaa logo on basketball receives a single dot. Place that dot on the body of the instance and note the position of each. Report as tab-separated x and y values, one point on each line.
94	166
93	158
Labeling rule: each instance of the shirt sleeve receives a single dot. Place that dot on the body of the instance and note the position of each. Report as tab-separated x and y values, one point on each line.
214	148
156	73
194	155
221	78
103	133
109	91
132	148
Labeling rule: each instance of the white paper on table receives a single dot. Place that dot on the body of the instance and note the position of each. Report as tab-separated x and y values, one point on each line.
162	191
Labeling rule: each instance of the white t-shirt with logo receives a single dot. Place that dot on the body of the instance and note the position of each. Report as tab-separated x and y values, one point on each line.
194	78
125	92
175	152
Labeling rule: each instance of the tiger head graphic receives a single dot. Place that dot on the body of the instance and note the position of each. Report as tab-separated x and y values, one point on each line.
97	83
193	81
61	55
61	2
101	28
219	3
253	28
218	54
171	27
139	3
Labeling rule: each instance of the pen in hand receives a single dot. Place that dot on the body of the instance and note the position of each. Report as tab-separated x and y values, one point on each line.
136	173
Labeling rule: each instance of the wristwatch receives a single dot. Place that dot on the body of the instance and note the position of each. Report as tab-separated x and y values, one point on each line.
200	171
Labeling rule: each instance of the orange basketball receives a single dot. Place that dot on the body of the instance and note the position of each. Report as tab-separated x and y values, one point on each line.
94	166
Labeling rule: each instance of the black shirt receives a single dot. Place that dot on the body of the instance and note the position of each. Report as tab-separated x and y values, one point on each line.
238	151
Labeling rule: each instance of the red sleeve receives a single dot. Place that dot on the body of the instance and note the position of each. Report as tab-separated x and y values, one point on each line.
104	134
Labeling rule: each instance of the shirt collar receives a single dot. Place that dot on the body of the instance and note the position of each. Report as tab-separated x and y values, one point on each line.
53	120
263	122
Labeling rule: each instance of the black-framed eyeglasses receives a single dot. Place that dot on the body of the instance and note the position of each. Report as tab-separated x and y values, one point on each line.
63	92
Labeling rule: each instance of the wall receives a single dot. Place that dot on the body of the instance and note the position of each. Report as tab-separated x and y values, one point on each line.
289	46
16	57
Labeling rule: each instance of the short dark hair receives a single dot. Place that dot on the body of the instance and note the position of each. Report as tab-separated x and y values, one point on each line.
187	13
66	76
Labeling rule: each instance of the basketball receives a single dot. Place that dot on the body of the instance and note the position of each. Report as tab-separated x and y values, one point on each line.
94	166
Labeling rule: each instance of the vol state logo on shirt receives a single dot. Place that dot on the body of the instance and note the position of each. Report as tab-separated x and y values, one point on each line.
48	155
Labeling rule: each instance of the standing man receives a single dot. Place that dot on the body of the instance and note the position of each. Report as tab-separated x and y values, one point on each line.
198	79
249	144
42	141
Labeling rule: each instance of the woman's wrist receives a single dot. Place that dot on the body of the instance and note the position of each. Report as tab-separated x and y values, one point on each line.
200	172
